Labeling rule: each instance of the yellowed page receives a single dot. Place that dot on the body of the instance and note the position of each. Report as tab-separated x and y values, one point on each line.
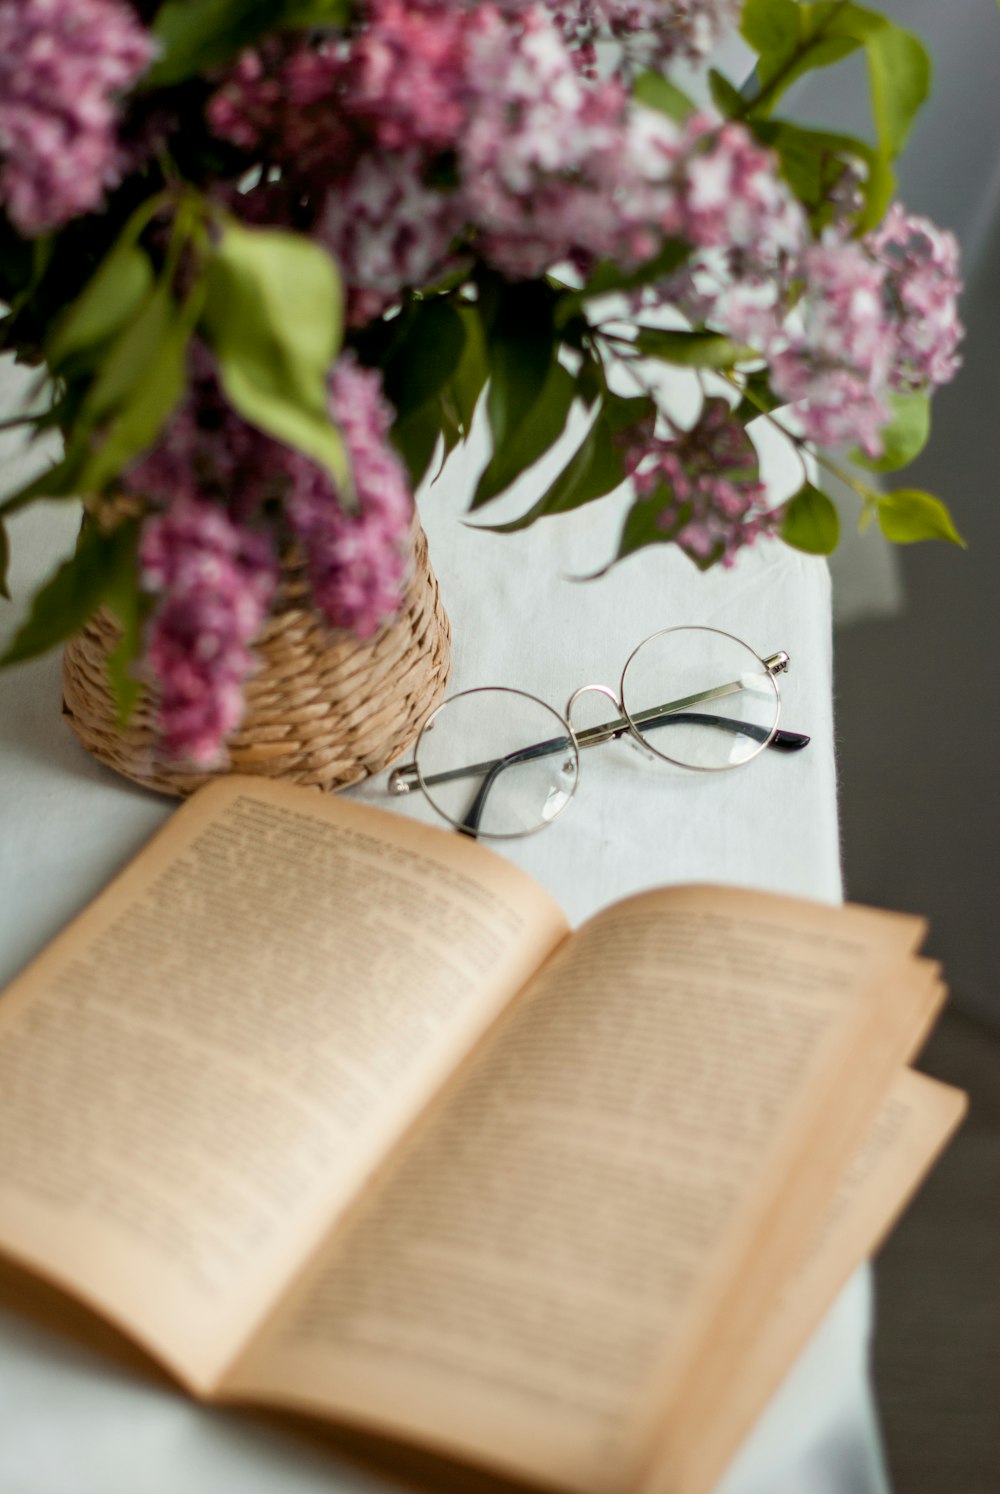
693	1384
203	1070
912	1127
510	1288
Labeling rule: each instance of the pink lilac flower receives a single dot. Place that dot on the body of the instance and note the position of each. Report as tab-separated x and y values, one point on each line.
652	30
284	101
669	28
207	451
921	292
709	184
550	164
62	67
224	487
732	194
652	150
837	361
357	562
406	78
714	187
540	160
706	485
387	231
215	580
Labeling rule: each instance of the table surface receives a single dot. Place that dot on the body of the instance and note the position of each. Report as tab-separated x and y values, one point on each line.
72	1422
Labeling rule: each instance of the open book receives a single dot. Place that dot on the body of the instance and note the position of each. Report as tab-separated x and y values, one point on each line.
329	1110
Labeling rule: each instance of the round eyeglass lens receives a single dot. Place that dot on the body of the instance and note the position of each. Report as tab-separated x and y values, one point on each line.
497	762
700	698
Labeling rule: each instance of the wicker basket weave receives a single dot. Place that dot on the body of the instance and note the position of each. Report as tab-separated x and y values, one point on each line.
325	709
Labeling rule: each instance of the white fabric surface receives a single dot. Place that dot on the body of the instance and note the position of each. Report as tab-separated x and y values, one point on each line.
72	1423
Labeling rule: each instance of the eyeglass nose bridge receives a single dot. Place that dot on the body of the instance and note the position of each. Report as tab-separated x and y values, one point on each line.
611	730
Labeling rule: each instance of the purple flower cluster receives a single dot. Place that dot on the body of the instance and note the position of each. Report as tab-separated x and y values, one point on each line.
837	354
357	562
551	164
406	75
62	66
284	103
419	138
731	196
540	158
651	31
387	230
920	295
544	162
208	452
215	579
229	496
705	484
842	322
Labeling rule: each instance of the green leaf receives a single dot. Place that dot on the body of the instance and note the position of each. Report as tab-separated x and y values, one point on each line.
130	356
590	381
691	349
792	39
658	93
907	515
416	437
131	608
425	353
310	13
810	522
643	525
451	429
4	560
520	351
135	425
433	361
727	99
61	480
109	301
812	162
758	397
75	591
904	437
197	35
624	412
542	426
770	26
469	378
596	468
899	73
273	316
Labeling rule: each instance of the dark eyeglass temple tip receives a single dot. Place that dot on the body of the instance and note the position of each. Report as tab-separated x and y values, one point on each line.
788	741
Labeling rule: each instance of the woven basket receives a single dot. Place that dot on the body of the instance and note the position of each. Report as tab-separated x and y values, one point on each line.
325	708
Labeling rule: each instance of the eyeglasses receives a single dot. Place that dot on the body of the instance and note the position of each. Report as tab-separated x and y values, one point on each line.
524	757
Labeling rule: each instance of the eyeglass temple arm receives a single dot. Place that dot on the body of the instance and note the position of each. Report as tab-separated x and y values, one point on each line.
787	741
474	813
401	780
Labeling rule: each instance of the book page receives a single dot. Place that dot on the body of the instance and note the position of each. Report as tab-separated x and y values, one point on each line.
911	1129
907	1007
204	1069
510	1289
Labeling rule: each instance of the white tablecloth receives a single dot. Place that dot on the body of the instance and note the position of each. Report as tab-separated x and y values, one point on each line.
73	1423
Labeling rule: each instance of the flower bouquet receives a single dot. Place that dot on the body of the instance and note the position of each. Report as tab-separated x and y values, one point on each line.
270	256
